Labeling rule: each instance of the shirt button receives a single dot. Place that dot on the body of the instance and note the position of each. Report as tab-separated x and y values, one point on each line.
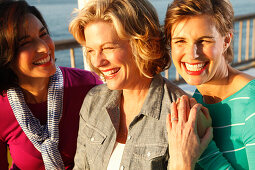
129	137
122	168
92	139
148	154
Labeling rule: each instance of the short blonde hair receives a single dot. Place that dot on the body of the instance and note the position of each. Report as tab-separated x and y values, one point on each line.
220	11
134	20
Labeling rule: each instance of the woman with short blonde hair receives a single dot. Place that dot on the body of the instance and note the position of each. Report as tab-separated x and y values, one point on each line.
122	123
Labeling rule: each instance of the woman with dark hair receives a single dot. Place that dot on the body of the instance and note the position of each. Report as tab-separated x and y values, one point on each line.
39	101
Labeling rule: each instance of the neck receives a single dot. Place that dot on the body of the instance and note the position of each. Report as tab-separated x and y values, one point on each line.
131	104
35	90
219	88
138	93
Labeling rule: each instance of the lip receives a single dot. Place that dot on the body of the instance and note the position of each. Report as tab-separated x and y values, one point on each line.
46	64
110	73
199	72
44	57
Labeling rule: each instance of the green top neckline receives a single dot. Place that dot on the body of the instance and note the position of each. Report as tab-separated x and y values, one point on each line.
200	96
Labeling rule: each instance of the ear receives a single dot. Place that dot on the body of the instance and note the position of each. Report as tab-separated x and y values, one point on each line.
227	40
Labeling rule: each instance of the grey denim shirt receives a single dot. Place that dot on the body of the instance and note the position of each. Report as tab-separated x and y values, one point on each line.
147	142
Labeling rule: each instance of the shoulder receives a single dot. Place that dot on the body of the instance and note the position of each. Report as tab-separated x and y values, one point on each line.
242	79
6	115
79	76
251	91
172	89
99	98
77	73
4	104
100	93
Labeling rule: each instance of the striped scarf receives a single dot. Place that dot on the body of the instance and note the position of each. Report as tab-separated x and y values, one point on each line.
45	138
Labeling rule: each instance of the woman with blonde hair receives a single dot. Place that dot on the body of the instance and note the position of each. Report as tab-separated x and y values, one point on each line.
199	33
122	123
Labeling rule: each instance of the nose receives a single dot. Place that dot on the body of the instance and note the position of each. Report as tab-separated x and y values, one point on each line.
99	59
42	46
193	51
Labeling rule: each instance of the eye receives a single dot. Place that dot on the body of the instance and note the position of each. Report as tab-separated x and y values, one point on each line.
179	42
24	42
90	51
44	33
204	41
108	48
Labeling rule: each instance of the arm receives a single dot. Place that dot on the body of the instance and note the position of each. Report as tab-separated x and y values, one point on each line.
213	159
185	146
3	156
249	136
80	160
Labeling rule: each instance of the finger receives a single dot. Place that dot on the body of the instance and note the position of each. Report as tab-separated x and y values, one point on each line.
207	138
192	102
194	115
174	114
178	100
182	110
187	107
206	113
168	123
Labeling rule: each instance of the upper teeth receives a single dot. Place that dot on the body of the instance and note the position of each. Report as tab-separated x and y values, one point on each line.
194	67
43	61
108	73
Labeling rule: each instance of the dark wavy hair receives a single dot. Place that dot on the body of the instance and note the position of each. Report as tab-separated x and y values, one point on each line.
12	15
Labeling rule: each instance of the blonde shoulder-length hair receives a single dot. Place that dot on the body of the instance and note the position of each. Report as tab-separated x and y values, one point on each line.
134	20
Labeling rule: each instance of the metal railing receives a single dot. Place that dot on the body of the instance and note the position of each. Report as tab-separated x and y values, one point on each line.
244	50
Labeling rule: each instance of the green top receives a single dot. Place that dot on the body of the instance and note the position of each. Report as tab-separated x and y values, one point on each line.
233	121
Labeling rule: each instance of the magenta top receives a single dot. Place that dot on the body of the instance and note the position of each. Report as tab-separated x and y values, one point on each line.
25	156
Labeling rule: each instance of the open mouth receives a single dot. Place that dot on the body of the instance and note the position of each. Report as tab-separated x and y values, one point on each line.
43	61
195	68
110	73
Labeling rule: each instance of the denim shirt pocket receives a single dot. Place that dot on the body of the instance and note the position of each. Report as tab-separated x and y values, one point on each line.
149	156
94	141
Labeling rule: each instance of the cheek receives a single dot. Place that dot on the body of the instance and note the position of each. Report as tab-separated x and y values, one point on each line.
176	54
122	57
212	52
24	58
91	60
50	44
21	63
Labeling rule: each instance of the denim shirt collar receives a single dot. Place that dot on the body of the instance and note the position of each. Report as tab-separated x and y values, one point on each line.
152	104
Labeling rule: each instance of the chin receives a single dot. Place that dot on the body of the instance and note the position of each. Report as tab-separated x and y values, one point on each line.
112	86
193	82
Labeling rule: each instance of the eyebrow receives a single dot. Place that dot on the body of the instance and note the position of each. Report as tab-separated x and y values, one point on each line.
105	43
209	37
27	36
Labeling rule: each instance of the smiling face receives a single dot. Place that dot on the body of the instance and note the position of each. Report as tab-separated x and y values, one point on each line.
197	50
110	55
35	56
